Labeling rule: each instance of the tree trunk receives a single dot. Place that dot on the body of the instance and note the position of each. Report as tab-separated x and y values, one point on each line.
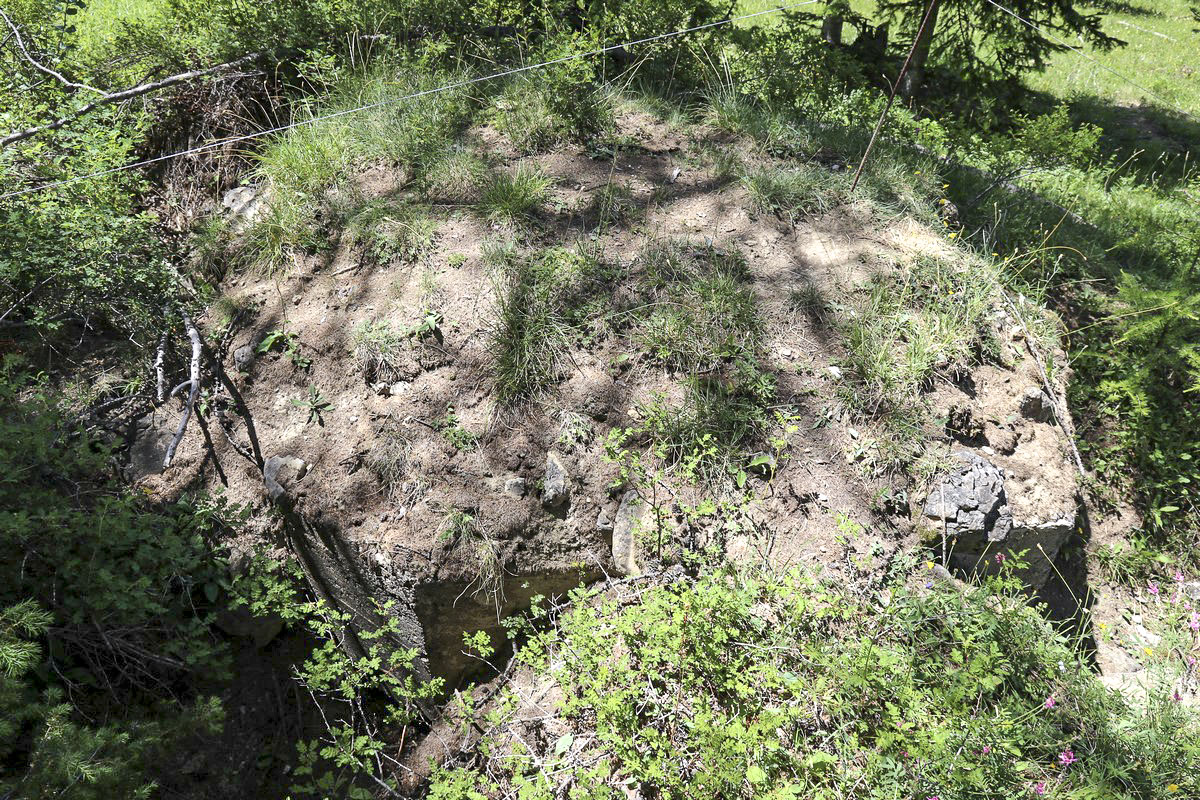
831	29
914	79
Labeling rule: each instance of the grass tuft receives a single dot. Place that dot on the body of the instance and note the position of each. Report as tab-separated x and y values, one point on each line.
517	195
794	193
387	230
376	347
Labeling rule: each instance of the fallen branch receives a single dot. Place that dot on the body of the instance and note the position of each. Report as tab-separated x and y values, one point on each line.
159	359
40	67
197	344
125	94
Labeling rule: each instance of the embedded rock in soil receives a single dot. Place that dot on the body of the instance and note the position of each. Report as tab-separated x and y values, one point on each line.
151	438
625	531
554	489
281	473
244	204
972	507
1036	405
243	358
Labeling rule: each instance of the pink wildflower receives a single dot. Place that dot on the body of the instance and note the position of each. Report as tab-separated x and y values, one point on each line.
1178	576
1050	702
1153	586
1039	787
1194	622
1176	697
999	558
987	749
1067	758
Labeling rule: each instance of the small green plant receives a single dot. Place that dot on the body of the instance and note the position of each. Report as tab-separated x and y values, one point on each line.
574	429
288	343
459	437
376	348
515	196
456	260
315	404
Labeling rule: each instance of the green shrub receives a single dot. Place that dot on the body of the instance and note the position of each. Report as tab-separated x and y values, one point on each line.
740	684
105	603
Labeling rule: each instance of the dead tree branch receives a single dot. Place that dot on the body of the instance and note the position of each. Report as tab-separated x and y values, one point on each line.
40	67
125	94
159	358
197	345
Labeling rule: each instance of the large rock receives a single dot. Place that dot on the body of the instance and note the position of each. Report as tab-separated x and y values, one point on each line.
152	436
1037	405
554	487
971	506
281	474
243	624
626	528
244	205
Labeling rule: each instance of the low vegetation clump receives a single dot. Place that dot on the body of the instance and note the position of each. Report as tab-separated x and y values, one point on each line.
544	302
793	193
515	196
377	347
927	317
389	231
456	176
309	166
746	685
703	325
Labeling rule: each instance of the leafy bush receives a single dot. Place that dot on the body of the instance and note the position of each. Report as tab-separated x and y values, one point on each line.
789	68
748	685
104	611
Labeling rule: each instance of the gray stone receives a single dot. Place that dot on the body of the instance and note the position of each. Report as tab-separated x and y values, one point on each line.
970	506
515	487
1036	405
626	527
243	358
244	205
554	488
281	474
604	522
150	443
241	623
